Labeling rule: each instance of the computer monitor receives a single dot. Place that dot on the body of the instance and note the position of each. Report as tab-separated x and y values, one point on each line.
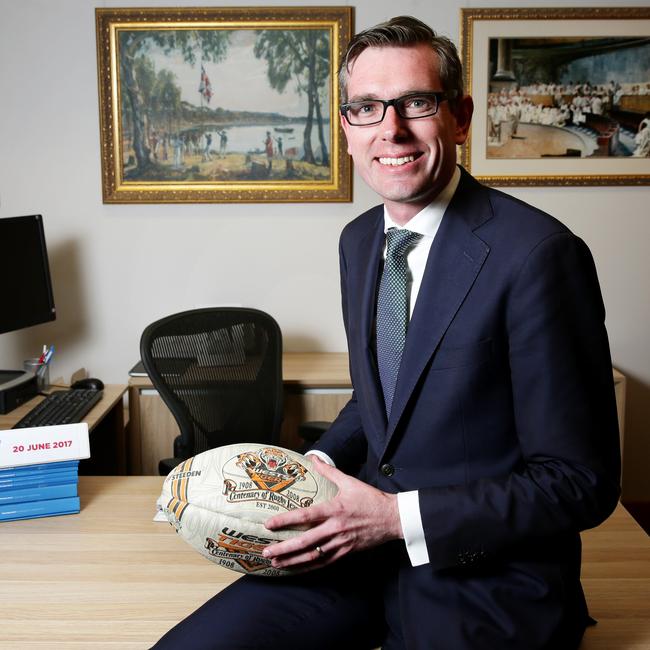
26	297
26	288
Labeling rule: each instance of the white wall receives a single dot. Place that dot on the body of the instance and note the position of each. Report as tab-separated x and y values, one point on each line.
118	267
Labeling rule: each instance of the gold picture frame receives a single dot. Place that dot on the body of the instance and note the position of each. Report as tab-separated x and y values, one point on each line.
579	122
211	105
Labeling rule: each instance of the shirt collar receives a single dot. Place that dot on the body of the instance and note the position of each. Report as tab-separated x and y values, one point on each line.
426	221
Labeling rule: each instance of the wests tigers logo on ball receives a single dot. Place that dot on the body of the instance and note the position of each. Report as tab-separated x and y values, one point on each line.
268	475
270	469
246	550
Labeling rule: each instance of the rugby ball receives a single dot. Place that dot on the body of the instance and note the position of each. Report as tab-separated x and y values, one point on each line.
219	500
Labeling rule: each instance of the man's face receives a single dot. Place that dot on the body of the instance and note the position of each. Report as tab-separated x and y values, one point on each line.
407	162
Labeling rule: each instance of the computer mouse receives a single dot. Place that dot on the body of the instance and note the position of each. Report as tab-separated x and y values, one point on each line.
90	383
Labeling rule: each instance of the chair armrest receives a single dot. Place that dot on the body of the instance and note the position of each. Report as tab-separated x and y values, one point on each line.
312	431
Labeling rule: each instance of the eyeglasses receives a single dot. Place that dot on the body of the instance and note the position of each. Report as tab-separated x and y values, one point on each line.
409	107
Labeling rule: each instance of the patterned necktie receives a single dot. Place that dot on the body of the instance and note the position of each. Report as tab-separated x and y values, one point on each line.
393	309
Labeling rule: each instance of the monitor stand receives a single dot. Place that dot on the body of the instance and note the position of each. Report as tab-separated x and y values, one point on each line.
16	387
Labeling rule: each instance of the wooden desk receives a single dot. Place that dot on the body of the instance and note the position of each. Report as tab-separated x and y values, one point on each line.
316	369
110	577
106	424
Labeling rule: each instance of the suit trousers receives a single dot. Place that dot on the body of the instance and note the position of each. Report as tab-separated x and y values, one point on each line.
338	607
367	600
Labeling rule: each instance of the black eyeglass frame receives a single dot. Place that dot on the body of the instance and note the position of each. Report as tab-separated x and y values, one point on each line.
440	96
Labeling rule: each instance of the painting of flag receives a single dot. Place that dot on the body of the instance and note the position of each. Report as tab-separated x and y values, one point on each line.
205	87
211	105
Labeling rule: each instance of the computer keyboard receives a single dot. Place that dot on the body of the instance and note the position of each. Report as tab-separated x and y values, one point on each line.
60	407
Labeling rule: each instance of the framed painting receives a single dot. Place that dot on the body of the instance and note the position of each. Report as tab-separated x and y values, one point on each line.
561	96
222	104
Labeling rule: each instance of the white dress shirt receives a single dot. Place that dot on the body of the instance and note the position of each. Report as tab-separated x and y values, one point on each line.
426	222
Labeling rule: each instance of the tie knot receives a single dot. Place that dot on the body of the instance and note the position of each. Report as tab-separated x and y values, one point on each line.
398	241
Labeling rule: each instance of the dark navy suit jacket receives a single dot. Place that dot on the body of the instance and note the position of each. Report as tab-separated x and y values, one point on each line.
504	420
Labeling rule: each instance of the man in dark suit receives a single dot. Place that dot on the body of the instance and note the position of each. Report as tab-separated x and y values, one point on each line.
482	431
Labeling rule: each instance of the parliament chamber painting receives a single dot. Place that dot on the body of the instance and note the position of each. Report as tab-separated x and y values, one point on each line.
568	96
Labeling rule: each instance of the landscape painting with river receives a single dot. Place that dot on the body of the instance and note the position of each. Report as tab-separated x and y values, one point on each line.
211	105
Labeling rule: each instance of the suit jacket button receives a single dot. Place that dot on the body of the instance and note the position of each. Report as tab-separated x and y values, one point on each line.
387	469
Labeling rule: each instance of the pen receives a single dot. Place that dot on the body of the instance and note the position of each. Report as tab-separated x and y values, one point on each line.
49	355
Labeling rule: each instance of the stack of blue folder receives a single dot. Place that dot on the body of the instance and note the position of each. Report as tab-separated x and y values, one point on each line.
39	490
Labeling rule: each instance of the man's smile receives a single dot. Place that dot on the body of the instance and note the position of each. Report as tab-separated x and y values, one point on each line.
397	161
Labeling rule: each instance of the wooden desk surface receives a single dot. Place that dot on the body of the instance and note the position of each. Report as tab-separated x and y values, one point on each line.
317	370
302	369
112	394
110	577
105	422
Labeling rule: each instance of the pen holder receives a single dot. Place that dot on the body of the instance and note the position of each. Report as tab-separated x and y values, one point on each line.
41	370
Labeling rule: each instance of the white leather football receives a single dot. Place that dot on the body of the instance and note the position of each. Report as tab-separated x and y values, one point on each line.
219	500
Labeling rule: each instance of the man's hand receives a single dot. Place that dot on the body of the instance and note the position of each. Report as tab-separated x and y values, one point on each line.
358	517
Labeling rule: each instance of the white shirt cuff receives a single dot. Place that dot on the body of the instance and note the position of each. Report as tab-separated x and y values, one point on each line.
408	504
322	455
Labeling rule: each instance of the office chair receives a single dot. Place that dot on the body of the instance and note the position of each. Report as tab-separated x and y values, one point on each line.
219	370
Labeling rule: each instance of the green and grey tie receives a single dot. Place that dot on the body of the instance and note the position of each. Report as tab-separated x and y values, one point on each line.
393	309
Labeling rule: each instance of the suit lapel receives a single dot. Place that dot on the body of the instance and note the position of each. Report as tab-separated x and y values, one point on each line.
367	260
455	259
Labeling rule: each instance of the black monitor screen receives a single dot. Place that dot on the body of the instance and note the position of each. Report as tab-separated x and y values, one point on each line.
25	288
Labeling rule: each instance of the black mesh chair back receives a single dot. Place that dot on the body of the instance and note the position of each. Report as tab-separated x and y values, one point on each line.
219	370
